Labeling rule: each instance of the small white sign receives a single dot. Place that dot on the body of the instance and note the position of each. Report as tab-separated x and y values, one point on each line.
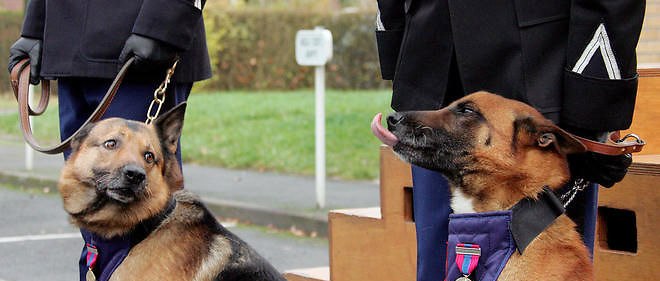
313	47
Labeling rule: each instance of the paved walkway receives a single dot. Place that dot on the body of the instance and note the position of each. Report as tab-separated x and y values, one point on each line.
38	243
261	198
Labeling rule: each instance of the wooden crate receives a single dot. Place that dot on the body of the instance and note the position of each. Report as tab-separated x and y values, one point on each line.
637	195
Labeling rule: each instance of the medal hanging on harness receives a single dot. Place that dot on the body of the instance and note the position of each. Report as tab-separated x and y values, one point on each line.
92	254
467	257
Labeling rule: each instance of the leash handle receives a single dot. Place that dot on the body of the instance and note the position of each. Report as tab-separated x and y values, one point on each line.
614	145
45	87
20	76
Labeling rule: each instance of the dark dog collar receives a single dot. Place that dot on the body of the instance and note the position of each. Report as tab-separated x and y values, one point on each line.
531	217
143	229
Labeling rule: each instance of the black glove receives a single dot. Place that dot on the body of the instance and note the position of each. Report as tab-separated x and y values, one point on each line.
603	169
27	48
149	53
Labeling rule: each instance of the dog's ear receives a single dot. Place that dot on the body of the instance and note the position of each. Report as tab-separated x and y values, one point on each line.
564	142
78	139
545	134
169	127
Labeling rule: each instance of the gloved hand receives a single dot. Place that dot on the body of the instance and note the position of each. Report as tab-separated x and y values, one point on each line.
603	169
148	52
27	48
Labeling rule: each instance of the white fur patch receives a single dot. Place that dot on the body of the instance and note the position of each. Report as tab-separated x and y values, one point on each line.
460	203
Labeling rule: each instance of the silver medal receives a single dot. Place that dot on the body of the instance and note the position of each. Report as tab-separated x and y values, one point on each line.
464	278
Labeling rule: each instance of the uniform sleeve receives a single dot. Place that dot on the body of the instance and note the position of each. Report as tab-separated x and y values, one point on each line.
33	24
170	21
389	34
600	81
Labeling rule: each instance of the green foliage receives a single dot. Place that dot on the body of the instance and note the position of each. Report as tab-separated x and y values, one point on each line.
254	49
275	131
10	31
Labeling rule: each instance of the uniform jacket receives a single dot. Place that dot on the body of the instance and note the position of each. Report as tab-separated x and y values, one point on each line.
573	60
85	38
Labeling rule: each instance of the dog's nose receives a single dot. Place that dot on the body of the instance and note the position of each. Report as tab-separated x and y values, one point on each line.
394	119
134	174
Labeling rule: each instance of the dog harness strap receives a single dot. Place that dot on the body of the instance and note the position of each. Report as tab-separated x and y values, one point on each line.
531	217
467	258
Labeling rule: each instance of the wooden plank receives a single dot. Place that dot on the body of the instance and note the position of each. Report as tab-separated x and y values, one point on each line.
372	213
395	175
308	274
646	118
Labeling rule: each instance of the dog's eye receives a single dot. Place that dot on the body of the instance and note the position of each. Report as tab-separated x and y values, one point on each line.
466	110
110	144
149	157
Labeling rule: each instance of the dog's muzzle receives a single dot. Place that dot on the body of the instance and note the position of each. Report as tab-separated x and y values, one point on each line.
133	174
130	182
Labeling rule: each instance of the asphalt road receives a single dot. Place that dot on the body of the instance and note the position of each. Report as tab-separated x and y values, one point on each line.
37	242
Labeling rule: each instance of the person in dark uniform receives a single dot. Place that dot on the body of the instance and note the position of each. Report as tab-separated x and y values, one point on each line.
574	61
83	44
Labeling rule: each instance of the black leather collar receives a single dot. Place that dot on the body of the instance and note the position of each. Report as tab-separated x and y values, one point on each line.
531	217
144	228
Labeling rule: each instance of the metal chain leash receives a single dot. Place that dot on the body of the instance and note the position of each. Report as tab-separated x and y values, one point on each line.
159	94
578	185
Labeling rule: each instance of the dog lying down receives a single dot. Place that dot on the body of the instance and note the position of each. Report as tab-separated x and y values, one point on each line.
122	178
496	153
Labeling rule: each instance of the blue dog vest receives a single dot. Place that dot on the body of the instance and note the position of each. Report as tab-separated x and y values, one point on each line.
499	234
111	252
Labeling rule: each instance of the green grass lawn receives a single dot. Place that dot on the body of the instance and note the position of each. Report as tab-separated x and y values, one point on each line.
271	131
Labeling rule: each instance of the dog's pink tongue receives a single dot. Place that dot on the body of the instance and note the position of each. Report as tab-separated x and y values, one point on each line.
381	133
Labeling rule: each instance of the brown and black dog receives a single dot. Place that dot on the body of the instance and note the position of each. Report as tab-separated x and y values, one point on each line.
495	152
123	175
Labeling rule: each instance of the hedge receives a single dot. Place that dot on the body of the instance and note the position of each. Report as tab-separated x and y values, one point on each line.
254	49
10	30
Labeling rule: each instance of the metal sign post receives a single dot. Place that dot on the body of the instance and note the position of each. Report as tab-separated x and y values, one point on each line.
29	152
314	48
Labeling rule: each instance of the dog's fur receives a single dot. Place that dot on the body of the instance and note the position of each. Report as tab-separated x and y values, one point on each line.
122	174
495	152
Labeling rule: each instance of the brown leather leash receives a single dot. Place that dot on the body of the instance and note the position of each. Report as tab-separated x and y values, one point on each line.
20	83
614	145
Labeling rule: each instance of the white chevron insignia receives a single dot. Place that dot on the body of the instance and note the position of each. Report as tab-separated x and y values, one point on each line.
599	41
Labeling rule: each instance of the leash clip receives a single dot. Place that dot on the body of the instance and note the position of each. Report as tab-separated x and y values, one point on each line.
159	94
633	136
